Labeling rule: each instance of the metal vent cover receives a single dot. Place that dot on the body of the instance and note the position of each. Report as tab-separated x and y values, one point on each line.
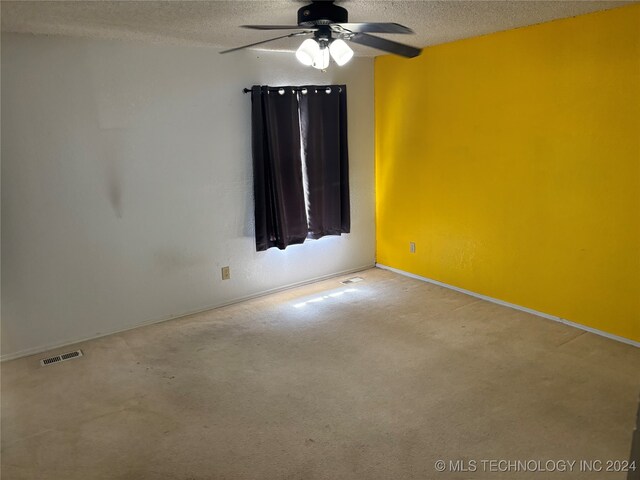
60	358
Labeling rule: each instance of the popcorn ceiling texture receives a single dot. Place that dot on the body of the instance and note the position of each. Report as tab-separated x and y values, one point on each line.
216	23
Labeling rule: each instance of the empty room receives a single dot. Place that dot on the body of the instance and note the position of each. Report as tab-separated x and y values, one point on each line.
296	239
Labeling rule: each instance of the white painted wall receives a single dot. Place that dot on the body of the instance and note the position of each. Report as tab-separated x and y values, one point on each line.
127	184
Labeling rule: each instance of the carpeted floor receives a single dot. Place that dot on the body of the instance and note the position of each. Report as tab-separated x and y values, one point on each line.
374	380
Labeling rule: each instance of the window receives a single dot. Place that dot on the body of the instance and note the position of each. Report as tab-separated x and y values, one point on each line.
300	163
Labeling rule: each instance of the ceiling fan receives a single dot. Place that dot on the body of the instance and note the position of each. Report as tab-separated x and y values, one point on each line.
330	27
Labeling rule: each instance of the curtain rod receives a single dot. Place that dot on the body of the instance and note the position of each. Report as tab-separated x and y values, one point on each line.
248	90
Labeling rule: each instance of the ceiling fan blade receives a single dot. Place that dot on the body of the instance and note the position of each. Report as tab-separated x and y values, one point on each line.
366	27
386	45
295	34
274	27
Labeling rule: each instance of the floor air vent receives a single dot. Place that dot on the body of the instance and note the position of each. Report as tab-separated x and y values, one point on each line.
352	280
61	358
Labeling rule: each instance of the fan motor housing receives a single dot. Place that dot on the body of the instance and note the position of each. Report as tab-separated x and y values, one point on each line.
322	13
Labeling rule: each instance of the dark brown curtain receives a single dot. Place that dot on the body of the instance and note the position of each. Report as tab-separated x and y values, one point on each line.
284	119
323	126
277	170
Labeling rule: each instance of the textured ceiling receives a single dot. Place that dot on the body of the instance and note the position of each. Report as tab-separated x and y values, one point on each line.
215	23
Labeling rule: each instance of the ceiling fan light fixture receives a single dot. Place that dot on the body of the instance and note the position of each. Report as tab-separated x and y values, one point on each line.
308	52
340	51
321	58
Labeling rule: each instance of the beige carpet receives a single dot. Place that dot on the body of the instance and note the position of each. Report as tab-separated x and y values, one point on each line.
374	380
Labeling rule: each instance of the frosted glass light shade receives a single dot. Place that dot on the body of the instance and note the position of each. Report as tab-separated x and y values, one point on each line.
308	51
321	59
340	51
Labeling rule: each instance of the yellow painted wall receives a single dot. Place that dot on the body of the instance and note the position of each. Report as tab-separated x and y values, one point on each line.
513	161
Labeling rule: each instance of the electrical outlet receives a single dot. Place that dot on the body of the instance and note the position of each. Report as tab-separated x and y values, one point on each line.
412	247
226	273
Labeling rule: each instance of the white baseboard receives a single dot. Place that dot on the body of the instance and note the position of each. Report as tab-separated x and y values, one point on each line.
514	306
45	348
